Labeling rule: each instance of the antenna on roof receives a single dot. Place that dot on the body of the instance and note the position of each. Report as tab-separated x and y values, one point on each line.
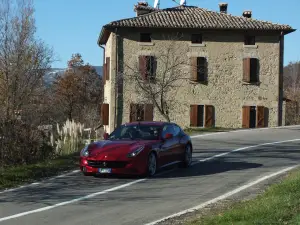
182	2
156	4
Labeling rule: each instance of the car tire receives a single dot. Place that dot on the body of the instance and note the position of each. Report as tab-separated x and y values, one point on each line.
86	174
188	156
151	165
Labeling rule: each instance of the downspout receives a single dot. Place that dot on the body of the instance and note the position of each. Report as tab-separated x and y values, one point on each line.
102	100
116	78
280	87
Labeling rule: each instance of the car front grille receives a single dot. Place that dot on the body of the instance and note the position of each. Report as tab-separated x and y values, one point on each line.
106	164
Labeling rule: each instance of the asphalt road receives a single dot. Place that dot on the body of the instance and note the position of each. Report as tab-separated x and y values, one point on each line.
107	202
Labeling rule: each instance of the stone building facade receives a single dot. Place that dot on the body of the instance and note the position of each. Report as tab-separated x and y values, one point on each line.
240	84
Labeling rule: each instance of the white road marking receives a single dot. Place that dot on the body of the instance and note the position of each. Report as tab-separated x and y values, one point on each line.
224	196
194	136
243	130
37	183
244	148
132	183
71	201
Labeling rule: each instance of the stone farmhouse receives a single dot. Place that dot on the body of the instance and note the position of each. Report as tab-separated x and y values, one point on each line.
241	81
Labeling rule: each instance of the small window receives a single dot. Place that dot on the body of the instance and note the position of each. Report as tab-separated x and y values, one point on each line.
145	37
196	38
249	40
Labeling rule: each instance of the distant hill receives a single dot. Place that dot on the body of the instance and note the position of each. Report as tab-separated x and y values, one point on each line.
54	72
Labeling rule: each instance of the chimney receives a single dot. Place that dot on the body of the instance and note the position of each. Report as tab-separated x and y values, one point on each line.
223	7
247	14
141	8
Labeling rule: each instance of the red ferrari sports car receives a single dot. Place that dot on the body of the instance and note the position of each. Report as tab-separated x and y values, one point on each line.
138	148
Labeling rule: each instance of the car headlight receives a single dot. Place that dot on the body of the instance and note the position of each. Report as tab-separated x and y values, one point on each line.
136	152
84	152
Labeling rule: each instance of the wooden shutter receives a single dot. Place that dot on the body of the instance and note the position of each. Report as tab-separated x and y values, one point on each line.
260	116
253	69
202	68
148	112
107	68
143	66
104	73
194	69
193	115
133	113
246	69
209	116
105	113
246	117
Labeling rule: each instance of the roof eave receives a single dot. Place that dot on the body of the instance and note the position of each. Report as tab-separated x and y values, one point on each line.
103	37
289	31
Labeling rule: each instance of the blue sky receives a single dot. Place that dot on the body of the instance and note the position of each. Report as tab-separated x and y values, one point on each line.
71	26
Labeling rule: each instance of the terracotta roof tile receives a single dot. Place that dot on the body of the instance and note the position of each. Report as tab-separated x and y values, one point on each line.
195	17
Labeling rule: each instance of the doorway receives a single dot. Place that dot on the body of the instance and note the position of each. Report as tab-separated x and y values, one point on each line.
252	117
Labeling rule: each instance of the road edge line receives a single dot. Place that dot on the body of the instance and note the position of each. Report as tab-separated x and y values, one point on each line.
224	196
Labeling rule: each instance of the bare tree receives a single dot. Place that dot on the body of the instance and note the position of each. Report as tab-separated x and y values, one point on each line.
158	78
23	59
292	92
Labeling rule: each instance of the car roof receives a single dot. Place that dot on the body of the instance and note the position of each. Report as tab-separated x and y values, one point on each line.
155	123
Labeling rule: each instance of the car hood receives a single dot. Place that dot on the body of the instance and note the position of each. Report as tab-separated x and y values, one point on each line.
114	149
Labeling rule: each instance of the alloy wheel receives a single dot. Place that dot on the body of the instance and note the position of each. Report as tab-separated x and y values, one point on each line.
151	164
188	155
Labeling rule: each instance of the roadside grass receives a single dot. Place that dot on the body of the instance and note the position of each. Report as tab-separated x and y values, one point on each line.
193	131
279	204
18	175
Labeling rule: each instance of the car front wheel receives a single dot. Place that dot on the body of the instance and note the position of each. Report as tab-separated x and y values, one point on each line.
152	164
188	156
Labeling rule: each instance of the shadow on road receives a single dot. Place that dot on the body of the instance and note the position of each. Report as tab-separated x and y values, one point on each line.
210	168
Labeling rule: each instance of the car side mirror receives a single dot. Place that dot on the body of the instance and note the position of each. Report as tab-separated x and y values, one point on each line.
168	136
105	136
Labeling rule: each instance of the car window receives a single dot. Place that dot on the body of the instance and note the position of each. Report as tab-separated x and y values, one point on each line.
167	129
132	132
177	130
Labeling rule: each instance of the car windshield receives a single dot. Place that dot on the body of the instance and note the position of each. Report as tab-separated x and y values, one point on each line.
136	132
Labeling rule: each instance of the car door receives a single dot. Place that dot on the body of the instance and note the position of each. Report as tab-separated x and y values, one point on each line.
168	147
177	152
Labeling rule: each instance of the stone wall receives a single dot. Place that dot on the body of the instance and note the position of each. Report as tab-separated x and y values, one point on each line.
225	89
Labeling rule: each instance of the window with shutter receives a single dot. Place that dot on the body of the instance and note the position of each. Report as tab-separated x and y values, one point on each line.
209	116
196	115
251	70
137	112
260	116
148	112
104	73
194	69
105	113
107	68
143	66
198	69
254	70
246	69
246	117
151	67
201	64
193	115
